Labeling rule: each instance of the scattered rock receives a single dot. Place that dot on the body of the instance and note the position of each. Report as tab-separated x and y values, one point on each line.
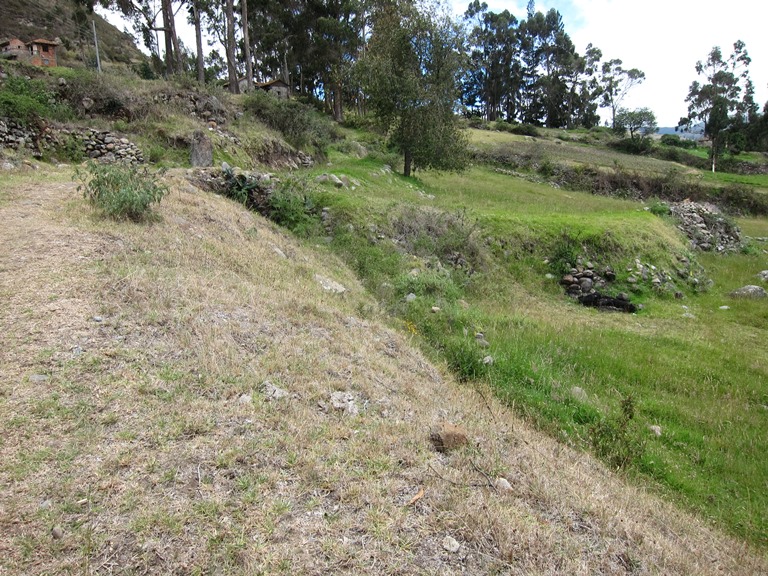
97	319
749	292
272	392
488	360
502	485
725	307
435	309
345	401
37	378
245	399
579	394
705	227
446	437
763	275
410	297
330	285
480	338
279	252
655	429
451	545
57	533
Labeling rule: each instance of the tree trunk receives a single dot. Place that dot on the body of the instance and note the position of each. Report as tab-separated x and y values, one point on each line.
407	161
230	47
167	18
338	110
198	42
247	47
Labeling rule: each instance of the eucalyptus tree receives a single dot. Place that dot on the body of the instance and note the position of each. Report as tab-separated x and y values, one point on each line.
615	84
491	82
723	100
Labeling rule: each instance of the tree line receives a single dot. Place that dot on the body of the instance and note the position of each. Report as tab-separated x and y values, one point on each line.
415	66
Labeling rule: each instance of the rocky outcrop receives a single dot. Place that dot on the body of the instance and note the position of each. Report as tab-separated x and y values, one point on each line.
706	227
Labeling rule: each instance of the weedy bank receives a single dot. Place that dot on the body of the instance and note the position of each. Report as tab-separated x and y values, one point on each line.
674	395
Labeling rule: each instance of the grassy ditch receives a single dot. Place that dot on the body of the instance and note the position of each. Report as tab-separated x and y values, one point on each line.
674	395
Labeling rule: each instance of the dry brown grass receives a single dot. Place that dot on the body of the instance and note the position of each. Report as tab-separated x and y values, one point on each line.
152	450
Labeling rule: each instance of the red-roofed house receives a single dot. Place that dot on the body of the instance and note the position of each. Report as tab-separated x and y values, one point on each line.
39	52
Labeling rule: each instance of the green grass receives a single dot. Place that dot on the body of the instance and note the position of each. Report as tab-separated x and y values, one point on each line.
698	371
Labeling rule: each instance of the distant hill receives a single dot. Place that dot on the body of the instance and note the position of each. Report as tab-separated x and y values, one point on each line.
696	133
51	19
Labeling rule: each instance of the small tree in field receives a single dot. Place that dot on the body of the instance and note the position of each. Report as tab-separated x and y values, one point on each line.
640	123
411	77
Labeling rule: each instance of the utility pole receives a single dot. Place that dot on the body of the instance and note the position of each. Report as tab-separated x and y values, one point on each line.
96	42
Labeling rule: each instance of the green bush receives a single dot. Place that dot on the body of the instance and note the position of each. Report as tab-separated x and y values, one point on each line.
677	142
27	101
633	145
659	208
617	439
300	124
292	205
525	130
121	191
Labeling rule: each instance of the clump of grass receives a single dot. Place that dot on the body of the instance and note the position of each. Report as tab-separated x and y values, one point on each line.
122	192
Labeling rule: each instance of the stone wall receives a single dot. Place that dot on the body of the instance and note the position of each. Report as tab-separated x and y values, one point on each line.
100	145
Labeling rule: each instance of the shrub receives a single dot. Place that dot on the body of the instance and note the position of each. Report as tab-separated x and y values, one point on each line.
525	130
301	126
121	191
659	208
450	237
28	101
633	145
615	439
677	142
292	205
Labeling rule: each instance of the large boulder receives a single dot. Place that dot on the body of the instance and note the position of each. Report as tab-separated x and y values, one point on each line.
200	150
750	292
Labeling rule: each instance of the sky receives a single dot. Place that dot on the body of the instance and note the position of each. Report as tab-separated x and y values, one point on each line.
663	38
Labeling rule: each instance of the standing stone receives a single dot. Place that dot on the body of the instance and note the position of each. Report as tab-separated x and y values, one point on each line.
201	150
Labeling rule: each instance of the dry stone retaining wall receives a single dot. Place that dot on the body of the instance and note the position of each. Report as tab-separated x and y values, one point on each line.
96	144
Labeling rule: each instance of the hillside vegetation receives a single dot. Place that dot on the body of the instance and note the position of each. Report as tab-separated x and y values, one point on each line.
202	391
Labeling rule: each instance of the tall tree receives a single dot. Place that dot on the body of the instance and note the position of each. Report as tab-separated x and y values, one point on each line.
490	84
718	102
195	19
229	46
246	46
411	74
616	82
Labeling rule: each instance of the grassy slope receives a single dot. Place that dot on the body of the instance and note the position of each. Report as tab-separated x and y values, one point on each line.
142	437
697	371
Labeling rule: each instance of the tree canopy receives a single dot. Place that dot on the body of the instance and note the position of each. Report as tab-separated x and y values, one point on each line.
723	102
411	75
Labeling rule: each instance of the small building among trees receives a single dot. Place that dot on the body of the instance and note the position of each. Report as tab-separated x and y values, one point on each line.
38	52
275	87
